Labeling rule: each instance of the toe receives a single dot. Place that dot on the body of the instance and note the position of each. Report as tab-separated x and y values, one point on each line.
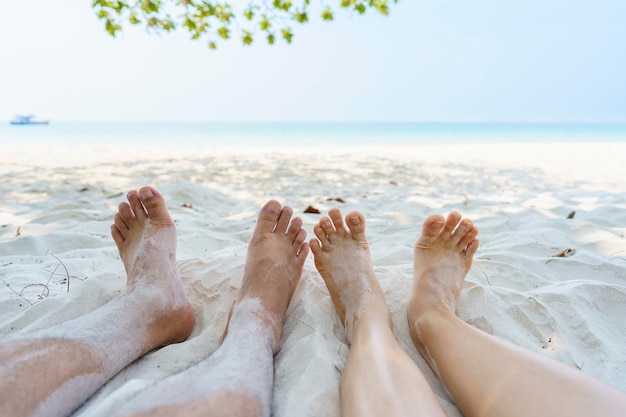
294	228
154	203
451	222
431	229
461	230
126	214
303	251
120	225
117	236
468	238
328	229
472	247
268	217
337	219
135	203
316	247
299	238
356	224
321	235
283	220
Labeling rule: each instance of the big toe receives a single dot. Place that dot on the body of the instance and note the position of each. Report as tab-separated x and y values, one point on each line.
154	203
268	217
431	229
356	223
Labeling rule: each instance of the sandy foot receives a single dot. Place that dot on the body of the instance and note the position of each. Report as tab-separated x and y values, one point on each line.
443	257
145	236
343	259
276	255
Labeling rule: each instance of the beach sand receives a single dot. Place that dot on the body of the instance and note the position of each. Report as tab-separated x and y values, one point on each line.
56	205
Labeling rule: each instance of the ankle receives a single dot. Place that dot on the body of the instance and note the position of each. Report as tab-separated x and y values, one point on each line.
427	312
424	320
250	319
173	326
373	323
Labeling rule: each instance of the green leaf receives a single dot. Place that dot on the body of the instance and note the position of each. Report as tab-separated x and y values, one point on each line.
301	17
287	35
327	14
133	18
110	27
246	38
380	5
219	18
282	5
168	25
189	24
153	6
118	6
223	32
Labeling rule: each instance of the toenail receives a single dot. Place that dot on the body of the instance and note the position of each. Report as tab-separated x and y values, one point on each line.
145	193
355	220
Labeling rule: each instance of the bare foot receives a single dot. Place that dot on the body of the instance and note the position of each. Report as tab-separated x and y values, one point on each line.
343	259
443	257
276	255
145	236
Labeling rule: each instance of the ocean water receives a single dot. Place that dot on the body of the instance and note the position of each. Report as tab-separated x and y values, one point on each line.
306	134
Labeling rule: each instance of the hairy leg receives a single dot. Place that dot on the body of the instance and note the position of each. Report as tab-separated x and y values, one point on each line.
237	379
51	372
488	376
379	378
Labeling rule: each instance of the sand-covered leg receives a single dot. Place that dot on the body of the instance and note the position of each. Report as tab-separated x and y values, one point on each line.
379	378
237	379
52	372
487	376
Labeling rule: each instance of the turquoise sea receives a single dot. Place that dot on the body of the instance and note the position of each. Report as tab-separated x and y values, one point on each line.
306	134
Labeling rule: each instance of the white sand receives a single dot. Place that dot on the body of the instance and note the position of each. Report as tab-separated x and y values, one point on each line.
572	308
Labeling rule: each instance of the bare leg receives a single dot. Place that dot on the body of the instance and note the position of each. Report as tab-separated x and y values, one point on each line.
488	376
379	378
52	372
237	379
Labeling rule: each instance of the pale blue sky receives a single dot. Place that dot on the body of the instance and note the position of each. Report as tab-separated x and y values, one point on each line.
445	60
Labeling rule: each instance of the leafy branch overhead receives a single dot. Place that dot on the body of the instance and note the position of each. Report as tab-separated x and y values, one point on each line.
213	21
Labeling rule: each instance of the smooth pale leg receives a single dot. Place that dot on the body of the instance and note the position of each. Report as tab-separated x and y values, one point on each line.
485	375
379	378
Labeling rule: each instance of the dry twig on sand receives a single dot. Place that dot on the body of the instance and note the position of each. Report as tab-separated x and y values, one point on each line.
45	292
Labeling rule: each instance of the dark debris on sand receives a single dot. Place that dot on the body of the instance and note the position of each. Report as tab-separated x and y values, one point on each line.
312	210
565	253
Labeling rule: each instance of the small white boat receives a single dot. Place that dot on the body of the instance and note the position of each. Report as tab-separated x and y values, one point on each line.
28	120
